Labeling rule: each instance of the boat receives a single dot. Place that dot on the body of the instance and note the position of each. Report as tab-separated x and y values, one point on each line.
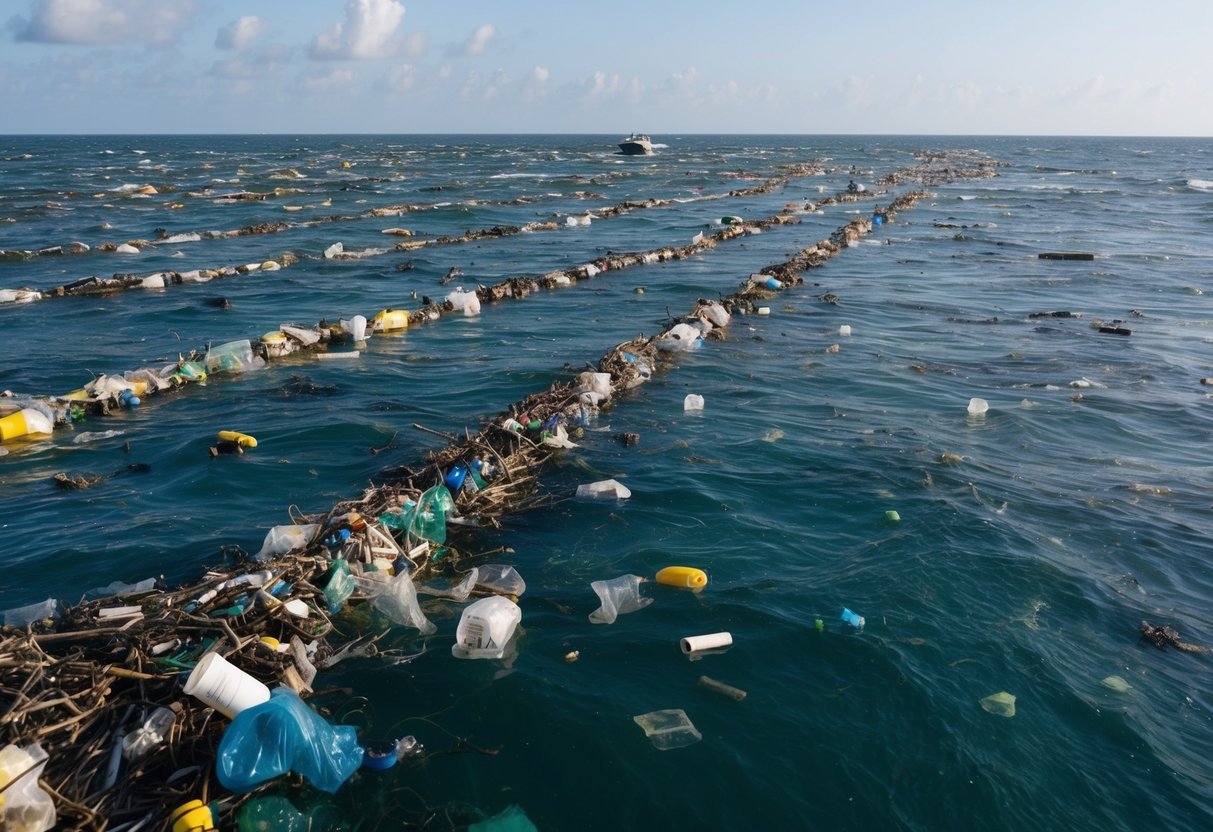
636	145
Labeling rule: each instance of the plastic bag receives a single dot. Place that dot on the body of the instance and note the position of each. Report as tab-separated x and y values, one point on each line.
458	592
232	357
512	819
398	601
26	807
282	539
618	596
340	585
427	519
284	735
501	579
679	338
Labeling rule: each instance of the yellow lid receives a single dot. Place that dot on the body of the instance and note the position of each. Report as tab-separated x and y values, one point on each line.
278	337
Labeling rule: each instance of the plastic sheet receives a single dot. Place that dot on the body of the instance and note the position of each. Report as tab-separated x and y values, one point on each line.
618	596
339	587
679	338
284	735
24	616
232	357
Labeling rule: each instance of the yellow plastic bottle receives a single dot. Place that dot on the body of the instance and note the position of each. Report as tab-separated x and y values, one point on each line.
241	439
23	423
194	816
687	577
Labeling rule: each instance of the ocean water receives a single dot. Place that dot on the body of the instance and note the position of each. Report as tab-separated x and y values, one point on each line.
1032	540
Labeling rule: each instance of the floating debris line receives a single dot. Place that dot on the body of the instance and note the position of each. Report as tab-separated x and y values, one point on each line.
162	279
82	685
106	393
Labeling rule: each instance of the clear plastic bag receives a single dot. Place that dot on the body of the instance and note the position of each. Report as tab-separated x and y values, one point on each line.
618	596
27	807
398	601
282	539
501	579
283	735
458	592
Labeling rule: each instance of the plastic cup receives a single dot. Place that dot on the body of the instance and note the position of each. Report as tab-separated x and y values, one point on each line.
220	684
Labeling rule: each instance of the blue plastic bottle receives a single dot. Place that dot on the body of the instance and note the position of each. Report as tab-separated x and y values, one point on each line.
853	619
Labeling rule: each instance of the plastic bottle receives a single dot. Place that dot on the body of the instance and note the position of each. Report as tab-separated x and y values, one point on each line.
339	587
851	618
127	398
148	735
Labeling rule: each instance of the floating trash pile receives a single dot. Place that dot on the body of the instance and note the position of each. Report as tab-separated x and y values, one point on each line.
121	708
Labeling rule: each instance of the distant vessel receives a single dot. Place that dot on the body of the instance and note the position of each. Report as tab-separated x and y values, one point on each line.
636	145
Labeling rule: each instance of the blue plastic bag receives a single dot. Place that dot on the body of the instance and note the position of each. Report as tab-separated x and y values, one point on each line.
281	735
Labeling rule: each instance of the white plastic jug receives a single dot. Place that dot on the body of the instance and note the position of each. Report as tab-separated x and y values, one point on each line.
485	628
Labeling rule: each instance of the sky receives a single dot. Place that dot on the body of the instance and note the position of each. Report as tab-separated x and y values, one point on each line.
1017	67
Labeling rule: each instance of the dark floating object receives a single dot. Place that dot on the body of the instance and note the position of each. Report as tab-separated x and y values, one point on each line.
1066	255
220	303
1115	330
406	266
1167	636
1056	314
451	274
630	439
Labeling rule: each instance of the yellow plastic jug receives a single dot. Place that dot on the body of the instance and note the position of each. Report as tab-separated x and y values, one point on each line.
684	576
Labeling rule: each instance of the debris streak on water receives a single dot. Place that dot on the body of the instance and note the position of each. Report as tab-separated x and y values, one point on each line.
1032	539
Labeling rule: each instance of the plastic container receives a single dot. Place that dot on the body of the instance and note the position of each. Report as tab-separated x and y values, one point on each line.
852	619
604	490
693	402
454	478
687	577
223	686
241	439
390	320
978	407
668	729
712	641
356	327
25	422
194	816
231	357
485	628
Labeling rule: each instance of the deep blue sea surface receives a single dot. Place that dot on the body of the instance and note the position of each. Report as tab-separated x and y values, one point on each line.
1031	542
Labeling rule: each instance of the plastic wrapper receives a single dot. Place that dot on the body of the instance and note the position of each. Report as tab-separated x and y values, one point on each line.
618	596
27	807
283	735
339	587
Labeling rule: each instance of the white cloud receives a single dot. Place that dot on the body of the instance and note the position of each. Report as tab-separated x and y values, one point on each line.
367	33
475	45
336	79
400	78
106	21
237	34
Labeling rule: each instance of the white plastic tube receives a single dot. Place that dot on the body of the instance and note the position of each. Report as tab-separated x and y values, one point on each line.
712	641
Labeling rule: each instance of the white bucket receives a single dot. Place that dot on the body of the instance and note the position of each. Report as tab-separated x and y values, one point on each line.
229	690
